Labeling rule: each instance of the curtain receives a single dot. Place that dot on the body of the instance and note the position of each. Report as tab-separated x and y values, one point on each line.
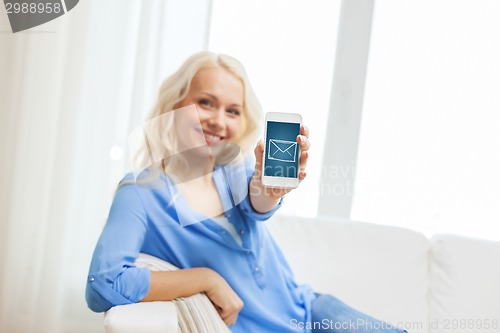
71	91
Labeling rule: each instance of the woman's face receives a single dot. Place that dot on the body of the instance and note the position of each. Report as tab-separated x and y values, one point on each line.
219	98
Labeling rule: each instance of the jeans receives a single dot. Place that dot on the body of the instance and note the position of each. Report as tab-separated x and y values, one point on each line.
329	314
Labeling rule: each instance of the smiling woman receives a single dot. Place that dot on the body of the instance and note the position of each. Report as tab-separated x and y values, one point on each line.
225	114
204	214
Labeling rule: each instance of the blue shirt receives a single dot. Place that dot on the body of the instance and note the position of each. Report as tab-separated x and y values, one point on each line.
156	219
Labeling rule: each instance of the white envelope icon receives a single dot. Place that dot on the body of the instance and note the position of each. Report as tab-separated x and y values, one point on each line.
282	150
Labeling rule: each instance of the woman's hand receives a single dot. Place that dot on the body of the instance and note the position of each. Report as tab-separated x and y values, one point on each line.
264	199
226	301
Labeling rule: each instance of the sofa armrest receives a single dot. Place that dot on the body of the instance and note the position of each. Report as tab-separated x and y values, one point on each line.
147	317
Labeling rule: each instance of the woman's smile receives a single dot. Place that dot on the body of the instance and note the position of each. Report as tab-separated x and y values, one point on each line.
210	137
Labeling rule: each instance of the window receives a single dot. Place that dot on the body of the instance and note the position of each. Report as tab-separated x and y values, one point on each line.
288	49
429	152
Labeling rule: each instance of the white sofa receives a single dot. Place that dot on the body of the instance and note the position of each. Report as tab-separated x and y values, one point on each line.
443	284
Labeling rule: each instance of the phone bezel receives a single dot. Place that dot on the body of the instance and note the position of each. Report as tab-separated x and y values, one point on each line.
281	182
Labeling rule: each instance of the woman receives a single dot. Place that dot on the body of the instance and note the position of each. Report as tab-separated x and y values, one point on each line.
201	207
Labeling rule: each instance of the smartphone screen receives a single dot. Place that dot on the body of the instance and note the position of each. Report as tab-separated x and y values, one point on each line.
282	150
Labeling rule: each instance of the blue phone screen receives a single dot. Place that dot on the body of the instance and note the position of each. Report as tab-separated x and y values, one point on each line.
282	150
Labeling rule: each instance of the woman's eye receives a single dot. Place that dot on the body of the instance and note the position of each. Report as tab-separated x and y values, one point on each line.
234	112
204	102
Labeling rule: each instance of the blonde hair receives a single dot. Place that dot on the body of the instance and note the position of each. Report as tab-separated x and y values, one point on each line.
176	87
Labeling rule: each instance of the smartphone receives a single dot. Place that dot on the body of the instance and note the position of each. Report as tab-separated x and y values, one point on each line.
280	167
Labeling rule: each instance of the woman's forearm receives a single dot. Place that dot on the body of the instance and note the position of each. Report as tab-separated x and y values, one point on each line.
262	199
166	286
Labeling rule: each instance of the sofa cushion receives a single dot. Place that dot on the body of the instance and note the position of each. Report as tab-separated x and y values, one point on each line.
464	285
379	270
151	317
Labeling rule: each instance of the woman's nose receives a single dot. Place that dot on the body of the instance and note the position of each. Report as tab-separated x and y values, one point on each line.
216	120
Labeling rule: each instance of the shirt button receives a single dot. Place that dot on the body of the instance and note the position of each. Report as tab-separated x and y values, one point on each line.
242	232
228	215
92	279
256	269
248	252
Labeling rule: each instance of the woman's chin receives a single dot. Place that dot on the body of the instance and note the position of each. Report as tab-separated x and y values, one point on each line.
221	153
226	153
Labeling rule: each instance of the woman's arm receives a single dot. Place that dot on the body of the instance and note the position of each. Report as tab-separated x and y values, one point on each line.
165	286
113	278
262	199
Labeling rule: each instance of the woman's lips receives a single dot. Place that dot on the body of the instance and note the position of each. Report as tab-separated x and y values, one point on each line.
210	137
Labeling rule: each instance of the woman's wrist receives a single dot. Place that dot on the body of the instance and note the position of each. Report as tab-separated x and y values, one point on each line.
263	199
211	279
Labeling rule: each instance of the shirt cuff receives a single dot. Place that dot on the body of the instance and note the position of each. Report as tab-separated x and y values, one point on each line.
129	287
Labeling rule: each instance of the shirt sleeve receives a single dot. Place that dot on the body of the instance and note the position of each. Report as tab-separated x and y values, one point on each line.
113	278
